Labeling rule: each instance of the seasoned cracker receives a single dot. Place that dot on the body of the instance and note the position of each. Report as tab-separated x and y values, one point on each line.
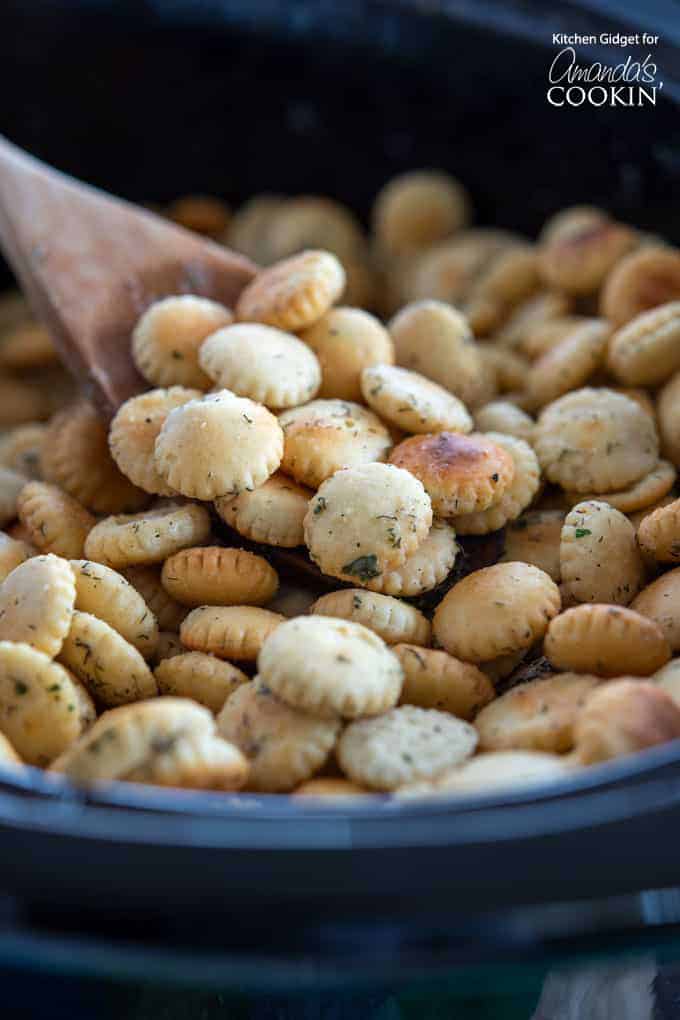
660	601
150	537
659	533
167	339
193	762
391	619
411	402
508	279
518	495
423	569
11	484
496	611
230	632
325	436
535	716
642	280
218	445
250	228
126	738
56	522
607	641
623	717
265	364
330	667
404	745
272	514
599	556
311	221
494	771
111	668
75	456
595	440
293	294
644	493
20	449
461	474
147	581
646	351
201	677
366	520
211	575
570	364
135	429
36	603
284	746
43	709
577	258
416	209
535	538
504	416
347	341
434	679
104	593
434	339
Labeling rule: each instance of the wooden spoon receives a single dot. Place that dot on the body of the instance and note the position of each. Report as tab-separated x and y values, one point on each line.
90	264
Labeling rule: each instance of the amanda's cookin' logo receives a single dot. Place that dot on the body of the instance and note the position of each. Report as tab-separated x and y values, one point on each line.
626	81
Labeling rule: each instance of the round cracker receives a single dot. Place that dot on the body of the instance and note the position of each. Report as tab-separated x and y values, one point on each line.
660	601
607	641
262	363
330	667
273	513
135	429
110	667
36	603
75	456
43	709
284	746
434	339
150	537
366	520
623	717
496	611
595	440
229	632
167	339
659	533
404	745
56	522
104	593
461	474
325	436
212	575
600	559
201	677
434	679
411	402
391	619
535	538
218	445
535	716
293	294
346	341
518	495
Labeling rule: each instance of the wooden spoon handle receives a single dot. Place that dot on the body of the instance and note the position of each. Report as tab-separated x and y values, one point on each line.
90	264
